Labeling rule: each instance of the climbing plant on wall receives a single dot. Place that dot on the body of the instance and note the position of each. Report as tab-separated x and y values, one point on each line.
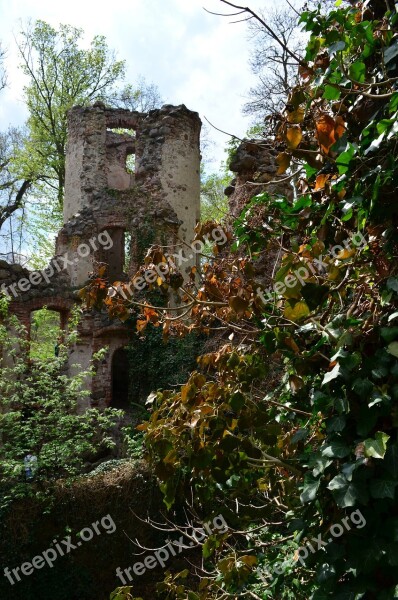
287	458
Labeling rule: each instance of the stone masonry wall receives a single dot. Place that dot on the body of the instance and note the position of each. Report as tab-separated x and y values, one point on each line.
159	202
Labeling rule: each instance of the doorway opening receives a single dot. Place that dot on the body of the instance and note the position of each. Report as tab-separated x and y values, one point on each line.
45	333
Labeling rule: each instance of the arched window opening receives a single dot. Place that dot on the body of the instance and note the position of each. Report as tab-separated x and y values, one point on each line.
120	379
45	333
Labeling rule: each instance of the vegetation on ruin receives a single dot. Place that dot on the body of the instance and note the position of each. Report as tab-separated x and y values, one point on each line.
291	425
39	416
287	423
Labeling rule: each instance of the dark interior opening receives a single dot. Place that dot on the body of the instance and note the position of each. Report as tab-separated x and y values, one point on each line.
115	256
120	379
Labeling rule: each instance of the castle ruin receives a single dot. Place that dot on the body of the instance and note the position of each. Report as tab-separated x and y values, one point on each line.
133	178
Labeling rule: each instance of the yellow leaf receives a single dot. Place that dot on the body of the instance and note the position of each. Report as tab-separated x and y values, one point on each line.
283	161
296	116
296	311
294	135
347	253
333	273
142	427
262	485
249	561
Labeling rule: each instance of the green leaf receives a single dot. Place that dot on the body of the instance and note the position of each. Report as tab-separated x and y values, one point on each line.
393	349
391	460
337	448
393	105
344	159
362	387
314	294
336	47
375	145
392	284
237	401
376	448
345	492
358	71
310	488
300	435
331	93
383	488
336	424
390	53
389	334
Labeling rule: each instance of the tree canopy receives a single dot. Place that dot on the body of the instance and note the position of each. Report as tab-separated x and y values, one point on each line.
61	75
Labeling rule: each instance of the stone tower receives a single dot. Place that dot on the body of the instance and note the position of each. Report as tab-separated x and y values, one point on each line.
132	179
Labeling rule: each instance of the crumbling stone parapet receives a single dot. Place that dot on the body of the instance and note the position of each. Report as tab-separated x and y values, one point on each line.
254	163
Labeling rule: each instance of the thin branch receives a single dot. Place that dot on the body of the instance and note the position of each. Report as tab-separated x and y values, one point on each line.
225	132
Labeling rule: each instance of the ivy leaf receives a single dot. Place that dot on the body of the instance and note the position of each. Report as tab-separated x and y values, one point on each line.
333	374
391	461
375	143
314	294
337	448
376	448
310	488
392	284
331	93
383	488
390	53
393	349
358	71
344	159
295	311
347	493
389	334
237	401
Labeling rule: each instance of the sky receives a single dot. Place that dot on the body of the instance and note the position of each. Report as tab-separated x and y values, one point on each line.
195	58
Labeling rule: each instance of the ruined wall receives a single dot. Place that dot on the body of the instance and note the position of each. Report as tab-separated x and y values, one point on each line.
255	166
112	213
254	163
159	202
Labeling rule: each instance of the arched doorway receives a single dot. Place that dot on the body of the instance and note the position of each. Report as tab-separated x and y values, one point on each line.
120	379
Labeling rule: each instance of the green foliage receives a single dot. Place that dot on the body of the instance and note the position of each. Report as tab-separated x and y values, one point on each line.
214	204
61	75
319	442
157	365
39	415
45	331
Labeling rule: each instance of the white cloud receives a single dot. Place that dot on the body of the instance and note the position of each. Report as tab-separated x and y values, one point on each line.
194	58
